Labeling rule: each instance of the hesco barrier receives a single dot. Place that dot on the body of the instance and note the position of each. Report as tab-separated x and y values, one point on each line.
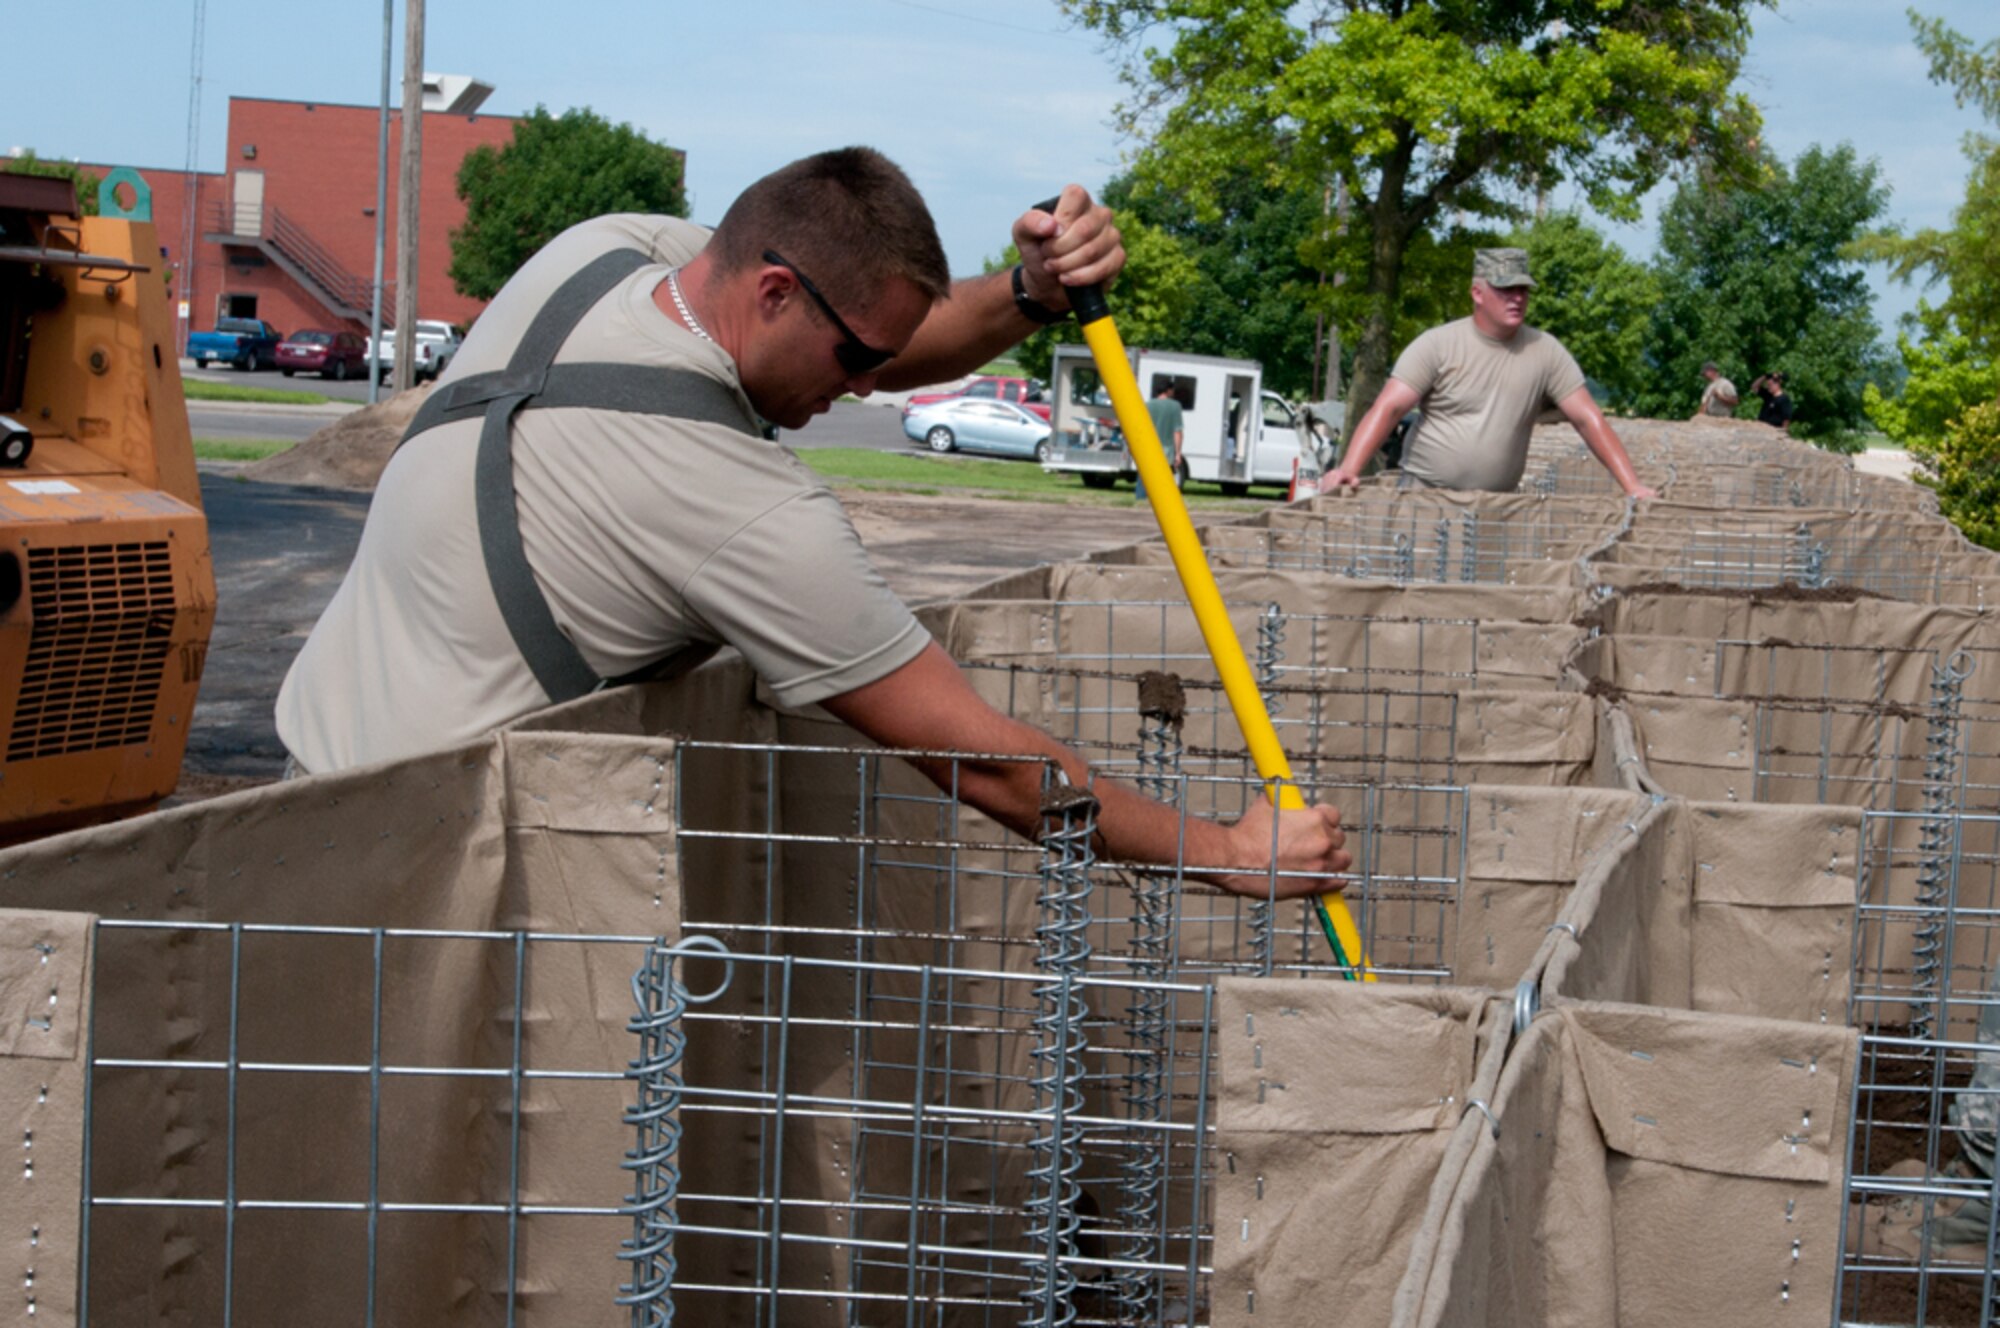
1676	846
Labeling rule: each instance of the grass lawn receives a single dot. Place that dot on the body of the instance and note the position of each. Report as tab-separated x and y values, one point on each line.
238	449
195	389
1022	481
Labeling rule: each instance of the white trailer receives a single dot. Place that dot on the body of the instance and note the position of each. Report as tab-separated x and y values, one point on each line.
1233	432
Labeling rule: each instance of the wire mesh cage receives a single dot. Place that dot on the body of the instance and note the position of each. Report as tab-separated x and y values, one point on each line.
1405	539
1920	1222
1910	558
901	1065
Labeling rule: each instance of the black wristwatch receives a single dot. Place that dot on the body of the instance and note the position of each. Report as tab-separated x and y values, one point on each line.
1032	309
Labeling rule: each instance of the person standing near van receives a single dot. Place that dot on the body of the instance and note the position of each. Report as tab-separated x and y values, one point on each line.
1777	408
1482	382
1169	423
1718	399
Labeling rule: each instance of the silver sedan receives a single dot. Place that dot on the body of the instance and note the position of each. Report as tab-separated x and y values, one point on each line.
979	426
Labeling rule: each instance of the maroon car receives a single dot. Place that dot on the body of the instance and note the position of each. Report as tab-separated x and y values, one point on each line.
1023	392
329	354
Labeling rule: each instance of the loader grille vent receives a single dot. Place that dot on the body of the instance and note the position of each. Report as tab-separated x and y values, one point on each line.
104	619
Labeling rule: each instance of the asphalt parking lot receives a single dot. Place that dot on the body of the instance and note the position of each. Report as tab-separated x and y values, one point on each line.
280	552
873	424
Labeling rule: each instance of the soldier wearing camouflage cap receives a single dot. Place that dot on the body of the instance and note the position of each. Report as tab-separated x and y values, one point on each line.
1482	382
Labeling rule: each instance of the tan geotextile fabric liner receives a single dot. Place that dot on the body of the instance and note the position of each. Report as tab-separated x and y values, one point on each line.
45	996
1525	848
1650	1168
1716	907
1798	711
563	833
1338	1113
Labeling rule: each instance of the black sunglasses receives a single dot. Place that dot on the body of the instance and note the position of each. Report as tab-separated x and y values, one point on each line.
855	355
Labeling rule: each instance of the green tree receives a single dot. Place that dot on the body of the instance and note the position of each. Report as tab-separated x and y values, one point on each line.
557	171
1944	375
1762	278
1260	252
1965	256
1964	468
1250	296
1429	108
1945	412
86	183
1592	298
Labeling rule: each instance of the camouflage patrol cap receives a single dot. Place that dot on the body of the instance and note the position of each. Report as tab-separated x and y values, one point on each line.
1502	268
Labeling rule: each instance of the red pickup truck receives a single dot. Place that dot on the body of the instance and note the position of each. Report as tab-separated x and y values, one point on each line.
1023	392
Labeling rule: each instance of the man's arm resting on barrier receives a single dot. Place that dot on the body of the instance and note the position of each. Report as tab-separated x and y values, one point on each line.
1580	409
1396	399
928	705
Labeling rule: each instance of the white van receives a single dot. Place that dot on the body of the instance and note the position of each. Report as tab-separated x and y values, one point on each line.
1233	433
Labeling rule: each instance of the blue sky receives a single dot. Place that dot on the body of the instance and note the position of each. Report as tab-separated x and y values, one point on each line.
989	104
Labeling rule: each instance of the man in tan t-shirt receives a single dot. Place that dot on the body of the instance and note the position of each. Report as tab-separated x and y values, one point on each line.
1482	382
647	532
1718	399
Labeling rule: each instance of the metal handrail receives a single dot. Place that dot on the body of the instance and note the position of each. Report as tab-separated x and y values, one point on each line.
297	244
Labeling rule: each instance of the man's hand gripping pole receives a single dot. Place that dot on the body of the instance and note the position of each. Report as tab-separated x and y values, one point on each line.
1093	315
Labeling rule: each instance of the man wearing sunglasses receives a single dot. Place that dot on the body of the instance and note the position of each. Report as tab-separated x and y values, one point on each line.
590	496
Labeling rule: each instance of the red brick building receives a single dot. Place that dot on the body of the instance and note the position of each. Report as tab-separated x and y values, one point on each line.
287	233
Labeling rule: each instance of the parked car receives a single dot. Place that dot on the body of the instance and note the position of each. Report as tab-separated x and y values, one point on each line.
1025	392
332	355
247	343
436	344
979	426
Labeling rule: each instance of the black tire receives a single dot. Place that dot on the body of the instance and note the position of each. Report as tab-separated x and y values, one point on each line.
14	452
1094	479
200	363
245	363
288	372
1044	450
340	371
939	439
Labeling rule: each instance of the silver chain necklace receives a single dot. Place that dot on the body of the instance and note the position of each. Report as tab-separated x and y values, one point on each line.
681	304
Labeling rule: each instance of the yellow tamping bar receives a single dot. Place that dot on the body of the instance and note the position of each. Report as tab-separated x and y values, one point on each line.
1191	562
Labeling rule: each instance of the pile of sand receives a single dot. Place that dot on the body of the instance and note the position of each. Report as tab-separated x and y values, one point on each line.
349	453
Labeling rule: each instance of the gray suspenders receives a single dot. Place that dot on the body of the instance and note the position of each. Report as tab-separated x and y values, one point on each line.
532	381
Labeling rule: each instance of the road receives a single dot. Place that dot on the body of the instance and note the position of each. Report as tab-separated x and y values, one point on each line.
864	424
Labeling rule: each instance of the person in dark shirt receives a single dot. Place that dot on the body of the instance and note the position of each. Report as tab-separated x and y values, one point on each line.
1777	409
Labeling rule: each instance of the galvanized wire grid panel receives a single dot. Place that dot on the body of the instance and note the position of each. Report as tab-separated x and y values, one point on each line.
841	1131
1754	552
934	886
1889	728
1573	472
1920	1222
1406	544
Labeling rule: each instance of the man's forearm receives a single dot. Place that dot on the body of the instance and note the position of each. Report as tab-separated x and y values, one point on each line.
1610	452
1131	827
1580	408
1367	441
975	325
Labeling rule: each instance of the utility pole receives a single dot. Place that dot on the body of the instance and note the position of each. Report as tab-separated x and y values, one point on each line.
381	208
409	187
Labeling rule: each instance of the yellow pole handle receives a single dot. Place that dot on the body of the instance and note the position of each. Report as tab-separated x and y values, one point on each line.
1205	597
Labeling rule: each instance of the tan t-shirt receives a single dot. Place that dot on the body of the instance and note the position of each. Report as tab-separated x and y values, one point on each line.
1719	398
1480	398
648	536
